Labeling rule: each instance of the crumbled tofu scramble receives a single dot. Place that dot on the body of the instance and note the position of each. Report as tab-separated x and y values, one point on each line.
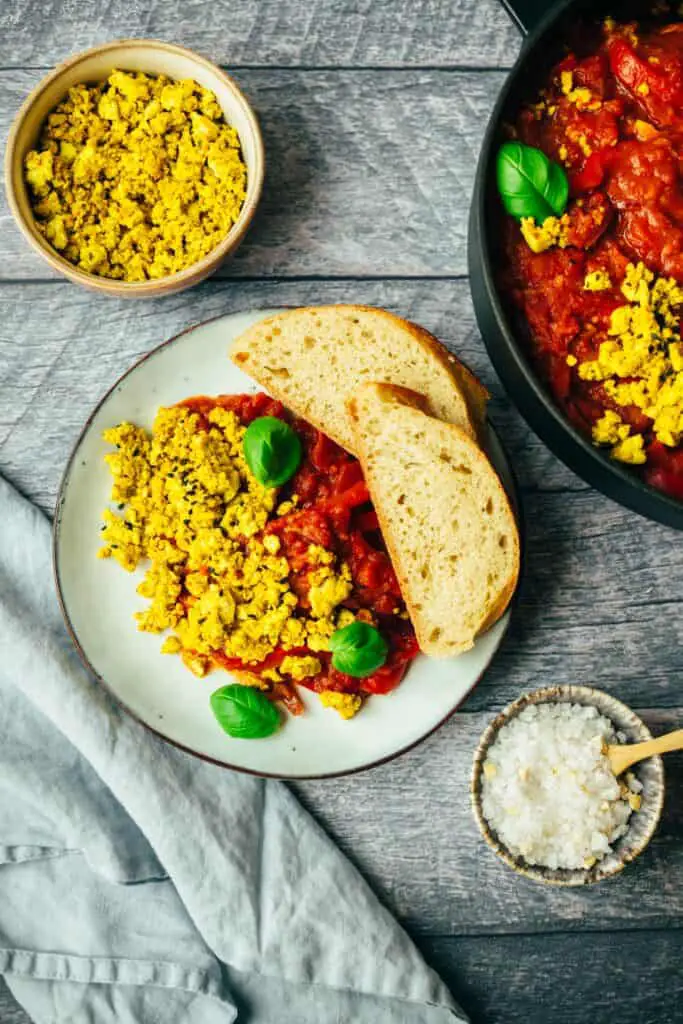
137	177
641	364
539	237
583	98
189	503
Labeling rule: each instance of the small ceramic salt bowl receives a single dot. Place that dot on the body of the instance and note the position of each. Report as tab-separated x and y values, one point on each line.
650	773
95	65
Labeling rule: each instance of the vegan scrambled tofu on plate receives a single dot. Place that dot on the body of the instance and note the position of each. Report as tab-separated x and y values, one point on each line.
245	577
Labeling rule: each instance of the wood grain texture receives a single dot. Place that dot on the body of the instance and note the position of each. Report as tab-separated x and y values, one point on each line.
10	1012
565	979
355	182
350	33
373	113
558	979
408	826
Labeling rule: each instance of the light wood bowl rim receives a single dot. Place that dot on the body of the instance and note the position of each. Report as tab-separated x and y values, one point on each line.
173	282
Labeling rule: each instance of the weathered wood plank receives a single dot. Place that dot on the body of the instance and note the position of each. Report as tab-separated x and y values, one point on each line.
600	596
554	979
564	979
408	826
369	173
269	32
10	1011
369	176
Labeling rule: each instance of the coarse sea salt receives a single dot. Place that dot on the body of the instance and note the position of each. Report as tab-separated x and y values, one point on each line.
548	791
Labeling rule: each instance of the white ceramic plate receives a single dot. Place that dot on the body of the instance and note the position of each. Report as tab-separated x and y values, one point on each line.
99	599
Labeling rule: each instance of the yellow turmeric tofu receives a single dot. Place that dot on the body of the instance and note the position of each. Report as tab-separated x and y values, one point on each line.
192	512
137	177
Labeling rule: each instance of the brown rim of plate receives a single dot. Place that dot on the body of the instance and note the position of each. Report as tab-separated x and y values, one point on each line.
586	695
175	743
172	282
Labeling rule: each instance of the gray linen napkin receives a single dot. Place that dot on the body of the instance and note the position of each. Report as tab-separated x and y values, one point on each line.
140	885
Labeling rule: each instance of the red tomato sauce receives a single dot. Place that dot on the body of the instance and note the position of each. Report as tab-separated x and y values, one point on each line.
624	160
335	512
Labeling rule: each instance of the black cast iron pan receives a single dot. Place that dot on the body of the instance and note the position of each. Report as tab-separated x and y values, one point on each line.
546	26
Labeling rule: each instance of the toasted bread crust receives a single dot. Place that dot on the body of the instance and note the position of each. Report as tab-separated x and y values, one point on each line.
476	395
392	394
473	395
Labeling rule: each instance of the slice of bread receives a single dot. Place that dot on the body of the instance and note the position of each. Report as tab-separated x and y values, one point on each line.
314	358
445	517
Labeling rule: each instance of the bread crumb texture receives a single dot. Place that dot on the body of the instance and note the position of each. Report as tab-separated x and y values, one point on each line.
313	359
137	177
445	517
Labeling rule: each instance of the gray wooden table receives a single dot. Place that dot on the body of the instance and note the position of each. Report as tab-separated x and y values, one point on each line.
372	112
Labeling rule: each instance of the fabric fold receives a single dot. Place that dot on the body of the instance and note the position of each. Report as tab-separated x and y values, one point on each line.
256	888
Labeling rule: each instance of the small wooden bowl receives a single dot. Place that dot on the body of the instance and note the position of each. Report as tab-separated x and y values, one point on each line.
642	824
95	65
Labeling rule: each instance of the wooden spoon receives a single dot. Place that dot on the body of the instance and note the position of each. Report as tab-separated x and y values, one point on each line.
622	757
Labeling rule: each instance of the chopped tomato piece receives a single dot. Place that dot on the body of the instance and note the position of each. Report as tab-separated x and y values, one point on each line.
588	222
665	480
372	570
592	73
308	527
593	172
367	522
403	649
286	693
273	660
349	474
322	452
658	91
246	407
356	495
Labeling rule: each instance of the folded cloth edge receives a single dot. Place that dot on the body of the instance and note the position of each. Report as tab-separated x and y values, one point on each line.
382	982
115	971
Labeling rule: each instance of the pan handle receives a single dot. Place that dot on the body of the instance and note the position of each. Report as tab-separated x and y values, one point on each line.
526	13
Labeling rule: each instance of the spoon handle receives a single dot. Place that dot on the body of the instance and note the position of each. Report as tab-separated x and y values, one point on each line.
624	757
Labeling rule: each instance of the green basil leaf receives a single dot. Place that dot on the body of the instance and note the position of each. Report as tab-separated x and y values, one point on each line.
530	184
358	649
272	450
244	712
